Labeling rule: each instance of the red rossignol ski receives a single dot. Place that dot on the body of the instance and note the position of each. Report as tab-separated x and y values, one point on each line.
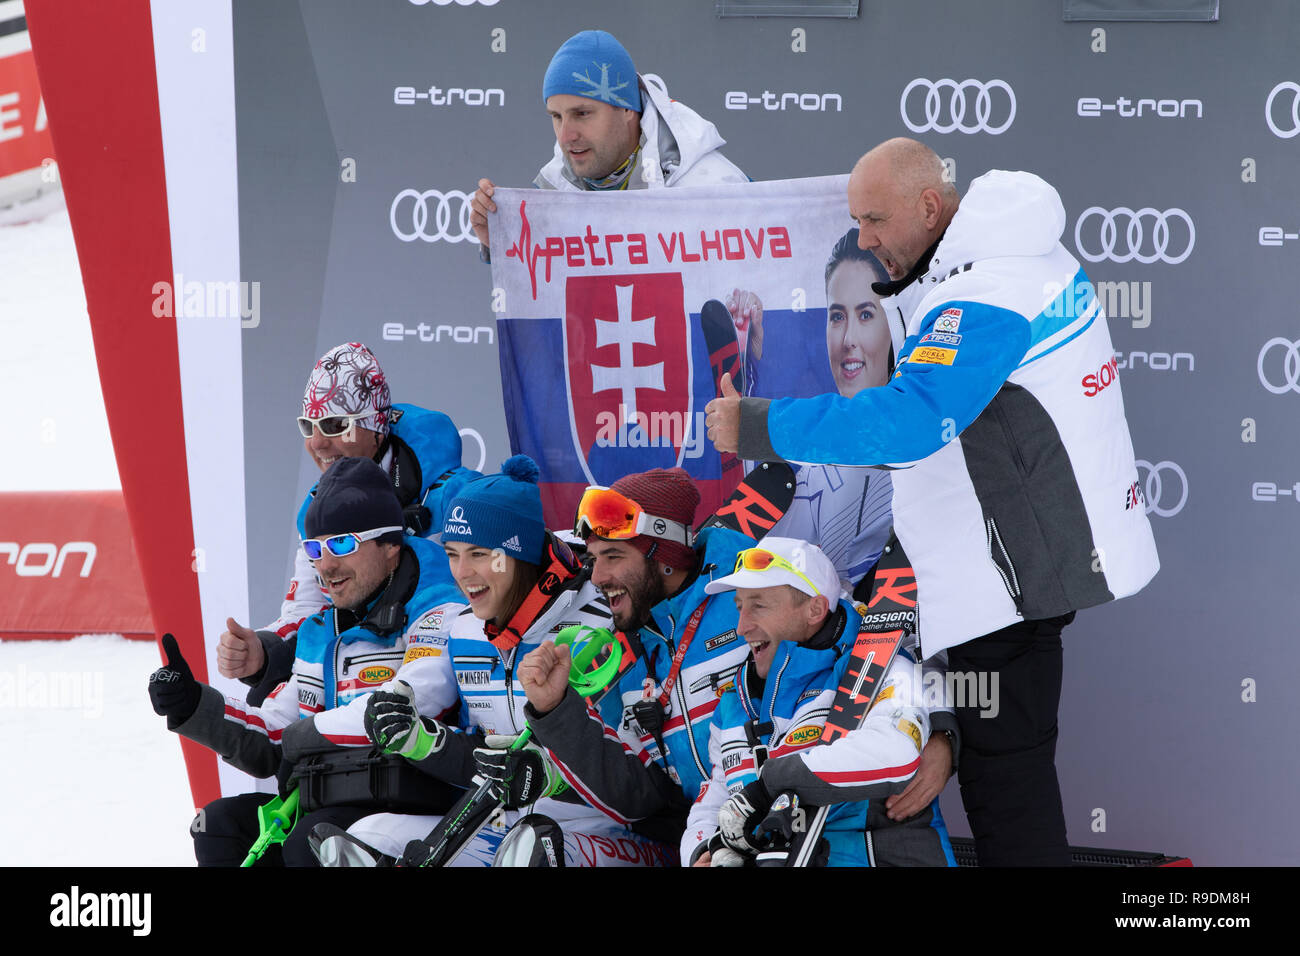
758	502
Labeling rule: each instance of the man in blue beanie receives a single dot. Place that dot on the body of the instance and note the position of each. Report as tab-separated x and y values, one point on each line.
615	129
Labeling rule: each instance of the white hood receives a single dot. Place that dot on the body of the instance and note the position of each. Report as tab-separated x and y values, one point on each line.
1004	213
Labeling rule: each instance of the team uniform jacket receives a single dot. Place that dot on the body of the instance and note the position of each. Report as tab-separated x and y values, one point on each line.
1017	495
772	728
341	657
423	459
678	148
606	755
466	674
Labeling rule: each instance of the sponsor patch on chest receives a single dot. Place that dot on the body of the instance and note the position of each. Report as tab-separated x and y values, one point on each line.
948	321
416	651
932	355
942	338
721	640
375	674
802	736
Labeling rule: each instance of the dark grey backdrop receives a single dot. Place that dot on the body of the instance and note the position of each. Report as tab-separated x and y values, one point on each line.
1161	747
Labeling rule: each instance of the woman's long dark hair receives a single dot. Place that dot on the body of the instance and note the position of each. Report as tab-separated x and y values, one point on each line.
847	250
526	577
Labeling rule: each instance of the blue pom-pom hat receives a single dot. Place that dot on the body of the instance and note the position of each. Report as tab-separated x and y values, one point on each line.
501	511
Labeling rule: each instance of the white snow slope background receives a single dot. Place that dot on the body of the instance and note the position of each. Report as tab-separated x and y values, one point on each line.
92	776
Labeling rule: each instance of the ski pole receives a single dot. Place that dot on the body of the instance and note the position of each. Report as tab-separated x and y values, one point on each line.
275	819
472	812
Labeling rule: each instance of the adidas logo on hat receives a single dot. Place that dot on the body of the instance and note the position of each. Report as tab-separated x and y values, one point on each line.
513	544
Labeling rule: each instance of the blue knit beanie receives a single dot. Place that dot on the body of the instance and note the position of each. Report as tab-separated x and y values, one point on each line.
501	511
595	65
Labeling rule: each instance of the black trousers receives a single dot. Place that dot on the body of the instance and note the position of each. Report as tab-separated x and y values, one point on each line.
1007	769
227	828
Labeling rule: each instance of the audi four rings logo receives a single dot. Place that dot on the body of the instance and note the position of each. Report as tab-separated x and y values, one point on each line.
1154	487
946	106
1290	365
1129	248
442	226
459	3
1294	128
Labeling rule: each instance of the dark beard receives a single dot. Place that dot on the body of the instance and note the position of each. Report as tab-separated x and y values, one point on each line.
642	597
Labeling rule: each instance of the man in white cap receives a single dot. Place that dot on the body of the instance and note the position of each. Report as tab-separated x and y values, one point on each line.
766	734
615	129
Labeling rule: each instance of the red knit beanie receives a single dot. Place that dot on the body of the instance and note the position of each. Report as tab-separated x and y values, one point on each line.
666	493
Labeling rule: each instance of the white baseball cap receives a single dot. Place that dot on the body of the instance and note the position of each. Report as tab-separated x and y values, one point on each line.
799	564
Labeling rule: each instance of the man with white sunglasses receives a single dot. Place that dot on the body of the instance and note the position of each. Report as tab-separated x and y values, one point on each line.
347	412
388	610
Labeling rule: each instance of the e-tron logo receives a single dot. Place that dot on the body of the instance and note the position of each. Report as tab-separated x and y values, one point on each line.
1154	485
443	206
45	559
947	113
1131	246
1294	121
1290	365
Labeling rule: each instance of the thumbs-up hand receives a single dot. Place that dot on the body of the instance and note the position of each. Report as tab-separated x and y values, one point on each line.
172	688
239	651
722	417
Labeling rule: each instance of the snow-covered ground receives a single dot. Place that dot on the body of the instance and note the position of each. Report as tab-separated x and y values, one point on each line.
54	432
91	775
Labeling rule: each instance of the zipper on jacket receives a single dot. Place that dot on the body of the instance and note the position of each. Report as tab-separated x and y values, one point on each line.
331	687
1001	560
379	656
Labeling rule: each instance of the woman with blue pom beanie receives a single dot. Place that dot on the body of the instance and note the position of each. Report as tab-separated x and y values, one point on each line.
523	586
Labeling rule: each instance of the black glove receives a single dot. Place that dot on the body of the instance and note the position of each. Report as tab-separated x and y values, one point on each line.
785	827
172	688
741	814
519	777
396	727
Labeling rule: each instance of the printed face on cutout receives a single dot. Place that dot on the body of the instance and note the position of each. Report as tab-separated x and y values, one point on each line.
857	334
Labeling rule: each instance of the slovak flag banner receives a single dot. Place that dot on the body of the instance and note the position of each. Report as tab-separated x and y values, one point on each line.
618	314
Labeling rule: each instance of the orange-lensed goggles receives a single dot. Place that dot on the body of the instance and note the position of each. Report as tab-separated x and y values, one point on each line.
608	514
760	559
